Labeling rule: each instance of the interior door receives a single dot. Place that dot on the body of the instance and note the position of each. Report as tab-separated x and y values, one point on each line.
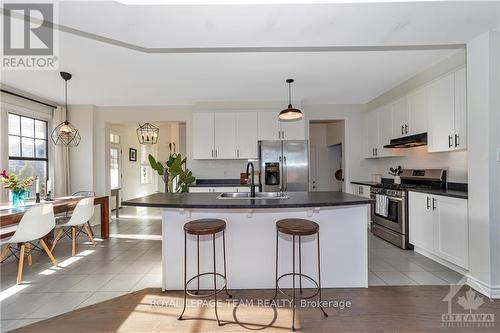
295	165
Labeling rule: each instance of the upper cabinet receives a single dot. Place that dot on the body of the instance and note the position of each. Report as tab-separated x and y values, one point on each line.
246	135
203	135
447	106
269	126
224	135
438	109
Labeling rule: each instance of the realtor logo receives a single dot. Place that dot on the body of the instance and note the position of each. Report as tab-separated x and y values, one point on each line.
29	38
470	302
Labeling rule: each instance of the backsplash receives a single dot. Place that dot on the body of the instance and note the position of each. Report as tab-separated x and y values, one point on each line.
455	163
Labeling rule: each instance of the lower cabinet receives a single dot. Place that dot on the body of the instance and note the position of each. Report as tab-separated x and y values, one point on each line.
439	225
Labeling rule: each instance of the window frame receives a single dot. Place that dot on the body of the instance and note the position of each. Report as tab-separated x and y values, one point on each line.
20	136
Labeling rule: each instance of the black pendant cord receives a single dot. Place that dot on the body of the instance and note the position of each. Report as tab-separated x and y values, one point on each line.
66	101
289	94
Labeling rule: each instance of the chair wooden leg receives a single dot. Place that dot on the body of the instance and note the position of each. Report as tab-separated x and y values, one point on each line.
49	253
5	252
21	264
57	237
89	233
73	241
29	250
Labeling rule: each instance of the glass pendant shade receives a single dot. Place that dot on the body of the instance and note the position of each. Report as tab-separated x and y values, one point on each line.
66	134
147	134
290	113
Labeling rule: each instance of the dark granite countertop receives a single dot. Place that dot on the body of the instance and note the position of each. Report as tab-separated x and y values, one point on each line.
443	192
218	183
369	183
210	201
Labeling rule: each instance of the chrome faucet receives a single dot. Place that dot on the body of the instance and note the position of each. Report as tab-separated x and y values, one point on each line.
252	183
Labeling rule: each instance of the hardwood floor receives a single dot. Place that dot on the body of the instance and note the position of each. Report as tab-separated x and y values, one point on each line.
376	309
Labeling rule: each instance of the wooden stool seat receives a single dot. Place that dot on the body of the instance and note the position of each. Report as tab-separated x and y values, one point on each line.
204	226
297	227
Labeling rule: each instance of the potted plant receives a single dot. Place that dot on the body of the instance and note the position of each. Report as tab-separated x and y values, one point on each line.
18	186
176	178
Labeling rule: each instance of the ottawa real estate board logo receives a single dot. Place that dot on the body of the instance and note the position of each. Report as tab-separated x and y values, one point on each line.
29	38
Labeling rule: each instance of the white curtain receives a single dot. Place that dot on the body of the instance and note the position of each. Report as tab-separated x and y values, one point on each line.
61	179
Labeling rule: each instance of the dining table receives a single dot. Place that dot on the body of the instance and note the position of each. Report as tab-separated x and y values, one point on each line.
11	216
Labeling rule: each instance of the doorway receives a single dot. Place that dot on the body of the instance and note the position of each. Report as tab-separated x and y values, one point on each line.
326	155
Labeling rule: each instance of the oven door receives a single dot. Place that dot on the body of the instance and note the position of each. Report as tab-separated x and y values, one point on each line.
395	215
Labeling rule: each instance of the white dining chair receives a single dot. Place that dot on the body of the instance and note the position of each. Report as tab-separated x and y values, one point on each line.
76	222
36	223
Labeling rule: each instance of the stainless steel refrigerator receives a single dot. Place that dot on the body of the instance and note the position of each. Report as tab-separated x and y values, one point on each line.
284	165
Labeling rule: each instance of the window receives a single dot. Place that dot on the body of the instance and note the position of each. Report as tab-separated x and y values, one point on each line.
115	167
146	177
28	146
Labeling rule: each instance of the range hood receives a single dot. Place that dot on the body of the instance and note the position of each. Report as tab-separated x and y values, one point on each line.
408	141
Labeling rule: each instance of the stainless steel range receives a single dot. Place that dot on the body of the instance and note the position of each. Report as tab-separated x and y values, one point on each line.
392	223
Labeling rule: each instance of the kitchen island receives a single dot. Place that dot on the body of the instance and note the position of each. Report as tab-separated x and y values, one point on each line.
251	237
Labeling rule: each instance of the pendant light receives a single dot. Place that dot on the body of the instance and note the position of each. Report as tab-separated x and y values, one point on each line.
147	134
290	113
66	134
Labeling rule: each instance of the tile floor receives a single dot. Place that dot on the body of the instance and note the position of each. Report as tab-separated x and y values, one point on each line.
389	265
131	260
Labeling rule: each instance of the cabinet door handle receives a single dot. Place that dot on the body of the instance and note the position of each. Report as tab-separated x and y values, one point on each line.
376	151
406	128
457	140
450	141
237	153
215	153
282	134
433	203
428	202
212	153
402	129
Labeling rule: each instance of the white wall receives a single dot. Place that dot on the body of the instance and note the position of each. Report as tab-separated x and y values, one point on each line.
484	170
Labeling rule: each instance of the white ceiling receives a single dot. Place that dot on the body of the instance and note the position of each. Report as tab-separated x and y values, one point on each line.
107	74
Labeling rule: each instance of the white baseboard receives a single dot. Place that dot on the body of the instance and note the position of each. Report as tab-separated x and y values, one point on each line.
443	262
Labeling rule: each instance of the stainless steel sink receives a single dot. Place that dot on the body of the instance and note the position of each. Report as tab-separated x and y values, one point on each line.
258	195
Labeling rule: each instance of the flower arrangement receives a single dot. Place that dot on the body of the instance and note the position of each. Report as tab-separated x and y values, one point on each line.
18	186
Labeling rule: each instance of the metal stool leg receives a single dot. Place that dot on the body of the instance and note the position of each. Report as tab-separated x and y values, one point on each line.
300	263
198	262
215	282
293	283
224	252
276	254
185	279
319	279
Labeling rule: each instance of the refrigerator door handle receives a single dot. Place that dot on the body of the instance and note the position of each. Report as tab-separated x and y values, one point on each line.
285	170
281	173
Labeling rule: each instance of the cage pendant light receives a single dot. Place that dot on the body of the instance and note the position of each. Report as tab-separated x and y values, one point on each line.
290	113
66	134
147	134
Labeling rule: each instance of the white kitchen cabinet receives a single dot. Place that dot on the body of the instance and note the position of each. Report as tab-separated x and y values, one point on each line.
225	135
451	232
447	119
418	110
203	135
439	225
371	133
246	135
293	130
460	138
421	222
385	126
268	126
442	117
400	118
361	190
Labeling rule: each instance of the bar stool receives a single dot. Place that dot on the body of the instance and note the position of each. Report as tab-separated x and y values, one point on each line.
199	228
298	228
